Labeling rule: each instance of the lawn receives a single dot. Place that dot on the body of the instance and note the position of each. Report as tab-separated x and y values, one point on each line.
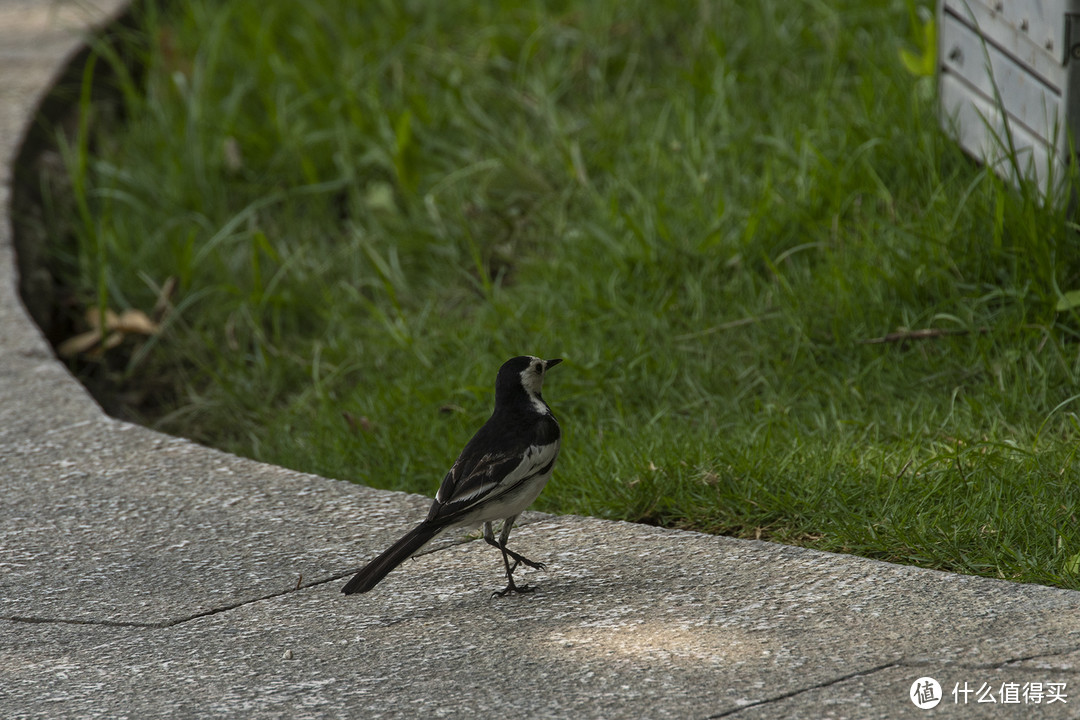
350	213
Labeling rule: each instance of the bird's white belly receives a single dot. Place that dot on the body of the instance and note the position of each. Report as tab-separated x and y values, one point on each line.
512	503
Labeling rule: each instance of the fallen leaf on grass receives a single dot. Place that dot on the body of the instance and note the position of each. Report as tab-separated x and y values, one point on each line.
1068	301
117	327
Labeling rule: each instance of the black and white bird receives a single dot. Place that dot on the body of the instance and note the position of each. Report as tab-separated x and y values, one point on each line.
500	472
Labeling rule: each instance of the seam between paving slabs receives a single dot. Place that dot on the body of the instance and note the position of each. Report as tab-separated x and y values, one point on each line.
29	619
808	688
32	619
902	664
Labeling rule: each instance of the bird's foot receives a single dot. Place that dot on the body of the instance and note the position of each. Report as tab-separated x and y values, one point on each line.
513	588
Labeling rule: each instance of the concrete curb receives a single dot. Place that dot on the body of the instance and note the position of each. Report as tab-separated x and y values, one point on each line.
146	576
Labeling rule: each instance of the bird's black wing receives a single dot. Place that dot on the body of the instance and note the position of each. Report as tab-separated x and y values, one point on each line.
483	473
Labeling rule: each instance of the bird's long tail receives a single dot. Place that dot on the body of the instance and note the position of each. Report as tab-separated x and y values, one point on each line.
393	556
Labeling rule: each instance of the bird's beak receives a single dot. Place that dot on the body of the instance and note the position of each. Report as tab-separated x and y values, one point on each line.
548	364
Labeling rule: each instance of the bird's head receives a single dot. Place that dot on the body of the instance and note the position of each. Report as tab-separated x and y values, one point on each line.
522	373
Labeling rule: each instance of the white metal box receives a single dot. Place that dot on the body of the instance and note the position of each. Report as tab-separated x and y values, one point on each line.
1009	84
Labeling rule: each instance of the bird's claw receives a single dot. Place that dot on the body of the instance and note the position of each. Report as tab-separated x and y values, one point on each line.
512	588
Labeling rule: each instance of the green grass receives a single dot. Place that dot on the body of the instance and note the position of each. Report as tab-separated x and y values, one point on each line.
704	207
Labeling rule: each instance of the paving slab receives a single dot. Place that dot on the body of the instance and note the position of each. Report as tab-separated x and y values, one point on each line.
146	576
104	521
627	622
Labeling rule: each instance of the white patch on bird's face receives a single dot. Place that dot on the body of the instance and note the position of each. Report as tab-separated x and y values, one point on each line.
532	379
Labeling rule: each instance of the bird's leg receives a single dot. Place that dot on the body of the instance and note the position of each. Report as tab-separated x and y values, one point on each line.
489	538
511	587
519	559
